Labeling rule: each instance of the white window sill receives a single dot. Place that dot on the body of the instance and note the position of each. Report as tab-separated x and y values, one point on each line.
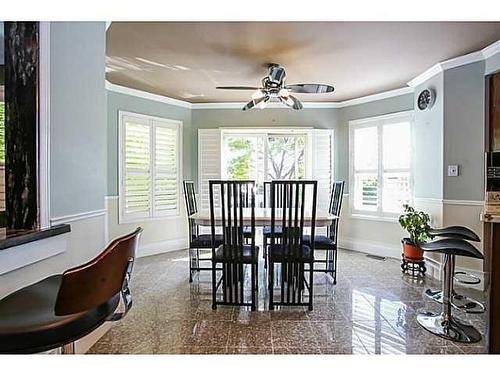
386	219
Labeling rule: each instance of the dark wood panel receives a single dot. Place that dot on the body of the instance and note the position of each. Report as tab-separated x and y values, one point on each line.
21	123
494	276
494	112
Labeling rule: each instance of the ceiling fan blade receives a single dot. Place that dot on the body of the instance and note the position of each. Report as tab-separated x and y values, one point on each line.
296	102
310	88
254	102
236	88
291	101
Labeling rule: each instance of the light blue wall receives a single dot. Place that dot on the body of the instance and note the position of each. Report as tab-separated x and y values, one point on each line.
464	108
78	136
428	143
123	102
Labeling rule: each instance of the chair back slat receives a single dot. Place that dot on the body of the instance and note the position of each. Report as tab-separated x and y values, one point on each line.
92	284
267	195
289	208
191	207
335	208
234	198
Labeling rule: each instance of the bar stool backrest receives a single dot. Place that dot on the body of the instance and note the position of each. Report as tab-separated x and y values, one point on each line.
335	207
92	284
234	196
291	202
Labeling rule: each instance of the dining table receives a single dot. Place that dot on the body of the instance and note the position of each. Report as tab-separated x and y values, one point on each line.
263	217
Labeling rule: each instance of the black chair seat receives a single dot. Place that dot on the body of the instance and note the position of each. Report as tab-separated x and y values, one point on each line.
457	232
452	247
278	230
28	323
320	242
279	253
204	241
247	232
237	255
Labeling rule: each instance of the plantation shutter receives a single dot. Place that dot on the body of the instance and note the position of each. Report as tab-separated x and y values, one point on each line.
166	173
322	165
136	168
209	162
149	167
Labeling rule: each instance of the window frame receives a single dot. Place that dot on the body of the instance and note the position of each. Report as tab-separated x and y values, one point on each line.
265	133
153	122
379	122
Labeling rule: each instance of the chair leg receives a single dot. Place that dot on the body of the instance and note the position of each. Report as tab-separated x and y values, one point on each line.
190	251
68	348
214	285
271	285
335	254
311	282
254	286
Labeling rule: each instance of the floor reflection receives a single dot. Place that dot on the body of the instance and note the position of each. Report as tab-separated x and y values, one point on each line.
371	310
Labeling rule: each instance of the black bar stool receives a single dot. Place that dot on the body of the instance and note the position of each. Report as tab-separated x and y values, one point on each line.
458	301
445	324
60	309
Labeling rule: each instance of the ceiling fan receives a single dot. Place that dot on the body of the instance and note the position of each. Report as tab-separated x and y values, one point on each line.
274	87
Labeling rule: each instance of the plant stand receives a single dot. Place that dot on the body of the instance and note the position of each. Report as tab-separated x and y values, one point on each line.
413	267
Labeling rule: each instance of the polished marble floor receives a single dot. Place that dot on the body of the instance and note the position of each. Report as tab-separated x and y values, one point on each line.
371	310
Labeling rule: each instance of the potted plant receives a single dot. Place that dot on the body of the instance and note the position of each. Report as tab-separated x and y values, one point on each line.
416	223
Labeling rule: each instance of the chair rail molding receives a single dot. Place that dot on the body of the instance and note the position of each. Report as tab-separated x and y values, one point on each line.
78	216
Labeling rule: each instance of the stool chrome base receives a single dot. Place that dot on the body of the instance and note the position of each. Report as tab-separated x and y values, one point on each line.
450	329
458	301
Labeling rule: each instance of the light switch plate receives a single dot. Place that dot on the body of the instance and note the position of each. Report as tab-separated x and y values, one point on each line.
452	170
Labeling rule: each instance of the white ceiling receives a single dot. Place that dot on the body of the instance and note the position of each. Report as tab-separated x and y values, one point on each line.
187	60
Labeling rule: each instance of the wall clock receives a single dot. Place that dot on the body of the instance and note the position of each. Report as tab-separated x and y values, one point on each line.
426	99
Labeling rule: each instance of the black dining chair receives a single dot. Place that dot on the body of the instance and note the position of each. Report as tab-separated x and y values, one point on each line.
328	243
234	254
60	309
197	262
266	230
289	210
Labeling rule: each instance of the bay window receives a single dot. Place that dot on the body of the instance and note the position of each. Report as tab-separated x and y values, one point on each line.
380	165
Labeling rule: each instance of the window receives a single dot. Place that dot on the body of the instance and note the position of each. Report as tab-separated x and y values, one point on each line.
149	167
264	154
380	165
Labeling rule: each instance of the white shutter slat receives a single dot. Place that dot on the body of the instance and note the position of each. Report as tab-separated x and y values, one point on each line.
166	173
137	169
322	166
209	162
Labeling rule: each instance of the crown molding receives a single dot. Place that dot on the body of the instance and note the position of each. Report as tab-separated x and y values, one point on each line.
491	50
146	95
238	105
470	58
375	97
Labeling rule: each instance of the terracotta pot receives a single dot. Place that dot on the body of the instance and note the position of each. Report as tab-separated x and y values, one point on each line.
410	251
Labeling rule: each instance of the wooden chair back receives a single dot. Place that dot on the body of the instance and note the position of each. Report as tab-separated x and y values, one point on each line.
94	283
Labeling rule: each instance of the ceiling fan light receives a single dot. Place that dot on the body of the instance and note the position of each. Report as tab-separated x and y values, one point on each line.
258	94
288	101
262	104
284	93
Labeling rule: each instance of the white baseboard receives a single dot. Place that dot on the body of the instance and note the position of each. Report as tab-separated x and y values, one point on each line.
370	247
434	270
162	247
